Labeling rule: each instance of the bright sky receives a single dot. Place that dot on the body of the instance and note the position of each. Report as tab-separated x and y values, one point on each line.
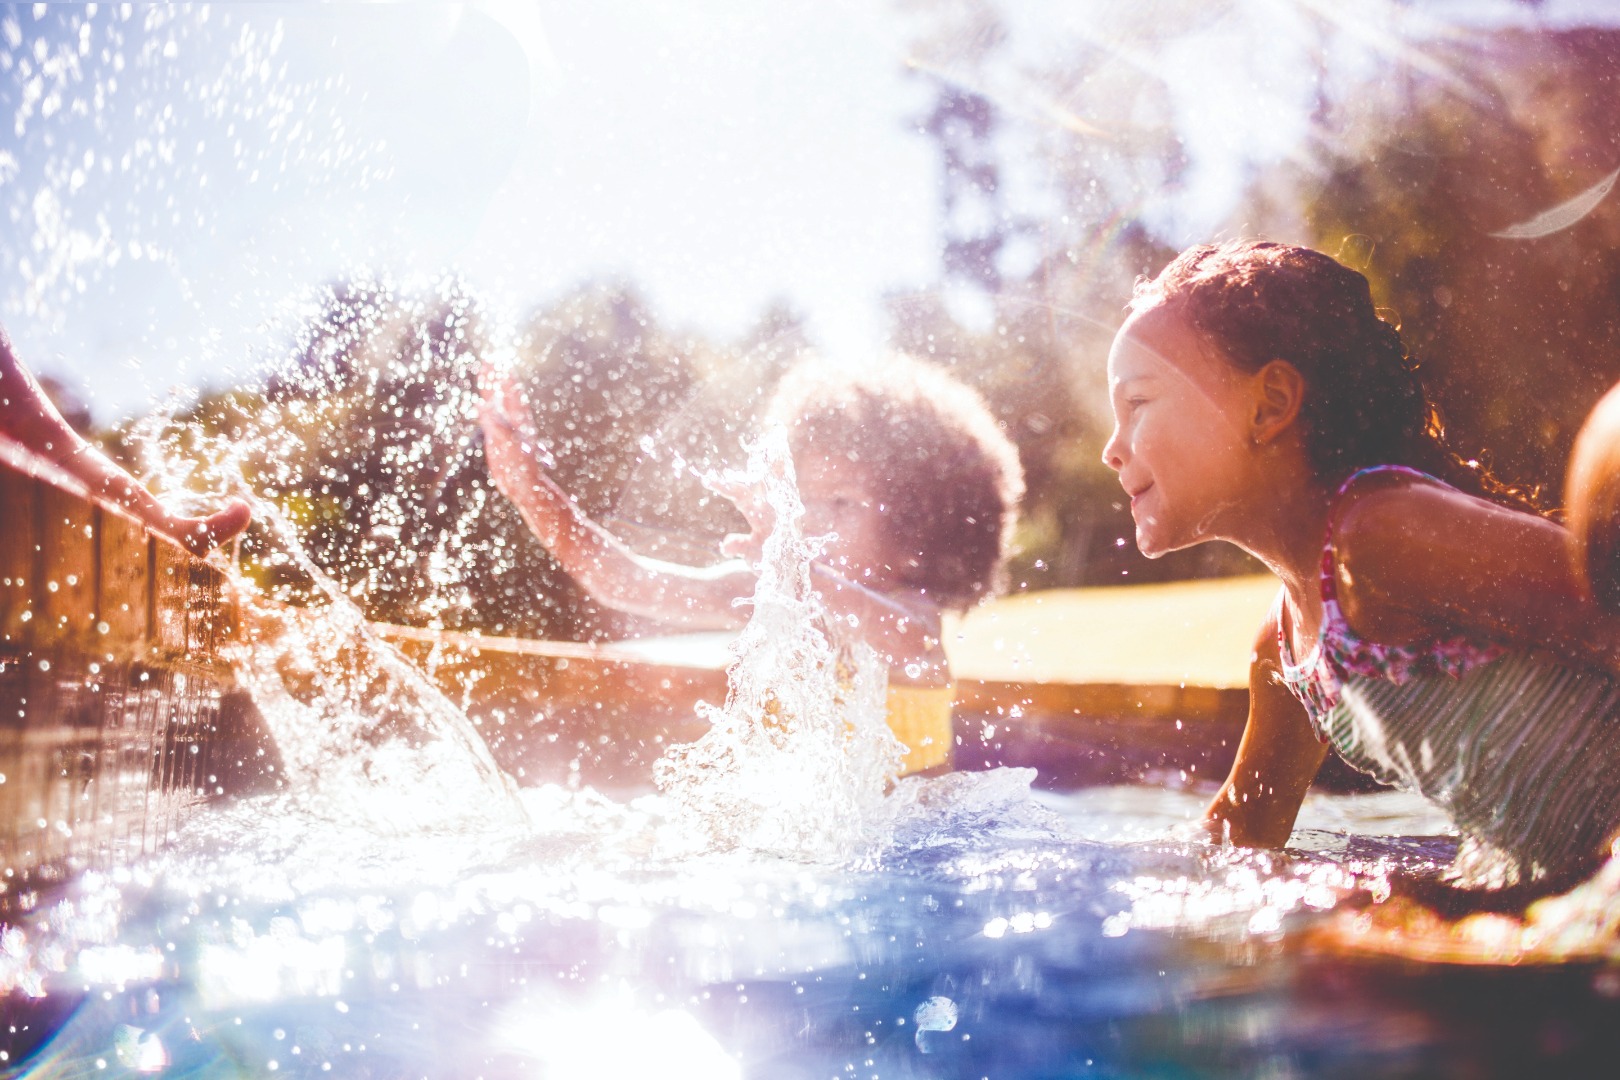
174	179
719	160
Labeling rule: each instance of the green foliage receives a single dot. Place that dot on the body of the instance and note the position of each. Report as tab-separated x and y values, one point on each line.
1518	337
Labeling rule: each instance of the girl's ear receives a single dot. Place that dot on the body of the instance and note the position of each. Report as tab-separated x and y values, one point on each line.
1279	389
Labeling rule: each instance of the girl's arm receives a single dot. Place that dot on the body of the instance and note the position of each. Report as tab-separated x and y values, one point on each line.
1276	761
1417	560
686	596
28	416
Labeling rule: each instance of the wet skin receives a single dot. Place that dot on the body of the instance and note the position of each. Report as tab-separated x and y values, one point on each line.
839	504
1209	451
1180	442
28	417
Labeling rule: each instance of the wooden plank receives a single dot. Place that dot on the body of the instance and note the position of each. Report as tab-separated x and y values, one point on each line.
19	547
208	619
170	589
66	616
110	678
121	598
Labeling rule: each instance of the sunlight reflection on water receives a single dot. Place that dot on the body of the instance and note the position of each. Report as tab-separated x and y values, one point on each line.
579	943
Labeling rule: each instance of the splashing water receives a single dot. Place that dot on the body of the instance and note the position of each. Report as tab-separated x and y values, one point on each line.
799	756
798	759
353	717
395	911
364	736
796	765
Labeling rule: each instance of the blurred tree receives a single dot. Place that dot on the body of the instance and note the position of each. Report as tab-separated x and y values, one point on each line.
1519	336
975	224
367	440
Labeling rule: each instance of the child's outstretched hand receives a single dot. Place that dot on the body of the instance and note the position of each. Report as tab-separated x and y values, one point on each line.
748	496
200	535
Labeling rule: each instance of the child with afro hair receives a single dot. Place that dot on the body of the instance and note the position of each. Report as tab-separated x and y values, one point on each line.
899	464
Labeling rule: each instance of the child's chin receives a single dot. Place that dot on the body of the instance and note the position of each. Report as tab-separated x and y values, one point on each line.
1149	547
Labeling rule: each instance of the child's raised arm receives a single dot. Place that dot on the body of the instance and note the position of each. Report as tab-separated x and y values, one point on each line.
686	596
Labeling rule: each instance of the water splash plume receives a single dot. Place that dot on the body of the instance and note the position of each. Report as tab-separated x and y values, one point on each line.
799	757
364	735
361	730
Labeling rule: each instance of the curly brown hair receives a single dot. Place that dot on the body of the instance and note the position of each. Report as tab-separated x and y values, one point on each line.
946	474
1258	301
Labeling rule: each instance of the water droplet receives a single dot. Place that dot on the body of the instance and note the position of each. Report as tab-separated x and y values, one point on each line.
935	1014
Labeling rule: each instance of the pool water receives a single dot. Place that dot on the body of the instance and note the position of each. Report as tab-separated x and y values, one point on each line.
989	932
773	909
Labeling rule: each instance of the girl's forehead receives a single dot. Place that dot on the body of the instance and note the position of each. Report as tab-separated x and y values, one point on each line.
829	464
1160	340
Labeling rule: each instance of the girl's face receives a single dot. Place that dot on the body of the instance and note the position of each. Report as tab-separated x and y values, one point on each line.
1182	442
838	499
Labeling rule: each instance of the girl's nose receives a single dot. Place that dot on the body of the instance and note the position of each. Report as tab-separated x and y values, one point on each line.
1111	451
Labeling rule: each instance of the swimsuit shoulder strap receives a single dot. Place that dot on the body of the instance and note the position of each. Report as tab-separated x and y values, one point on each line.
1327	586
1343	652
1381	470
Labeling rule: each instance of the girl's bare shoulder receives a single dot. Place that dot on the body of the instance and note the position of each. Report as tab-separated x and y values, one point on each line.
1412	555
1382	517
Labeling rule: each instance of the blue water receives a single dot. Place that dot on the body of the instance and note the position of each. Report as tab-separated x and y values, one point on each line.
985	931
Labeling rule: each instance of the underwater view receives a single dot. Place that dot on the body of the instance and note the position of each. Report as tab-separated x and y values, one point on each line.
649	540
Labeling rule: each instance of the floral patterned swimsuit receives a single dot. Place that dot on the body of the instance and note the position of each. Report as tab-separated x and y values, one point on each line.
1522	750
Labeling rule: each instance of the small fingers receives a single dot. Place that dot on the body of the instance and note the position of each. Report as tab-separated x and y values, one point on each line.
202	535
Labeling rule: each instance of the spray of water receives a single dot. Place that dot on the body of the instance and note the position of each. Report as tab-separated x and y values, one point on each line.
364	735
362	732
798	759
